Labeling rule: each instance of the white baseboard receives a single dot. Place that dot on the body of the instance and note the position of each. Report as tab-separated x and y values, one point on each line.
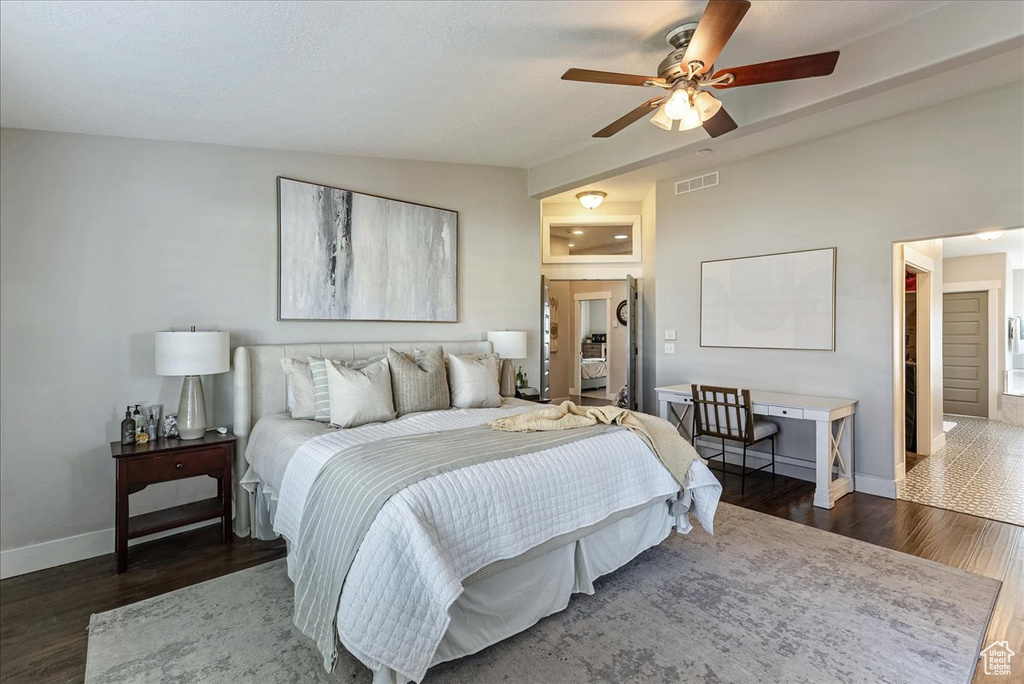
800	468
26	559
797	467
938	442
879	486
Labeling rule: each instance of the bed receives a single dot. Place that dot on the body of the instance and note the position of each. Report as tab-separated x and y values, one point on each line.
593	373
477	554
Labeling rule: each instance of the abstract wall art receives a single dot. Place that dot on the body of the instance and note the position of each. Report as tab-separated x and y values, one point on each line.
347	255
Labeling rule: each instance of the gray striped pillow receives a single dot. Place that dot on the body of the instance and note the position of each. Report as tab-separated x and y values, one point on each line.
419	383
321	394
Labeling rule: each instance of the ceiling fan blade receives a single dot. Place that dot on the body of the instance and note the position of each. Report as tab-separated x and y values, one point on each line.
720	124
721	17
589	76
634	116
807	66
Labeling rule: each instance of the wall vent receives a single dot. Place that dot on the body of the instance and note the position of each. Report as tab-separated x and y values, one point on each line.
708	180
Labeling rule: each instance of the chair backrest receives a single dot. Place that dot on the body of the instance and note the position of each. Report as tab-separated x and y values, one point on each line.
723	412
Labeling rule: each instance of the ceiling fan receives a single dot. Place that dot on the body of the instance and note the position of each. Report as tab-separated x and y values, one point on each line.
686	74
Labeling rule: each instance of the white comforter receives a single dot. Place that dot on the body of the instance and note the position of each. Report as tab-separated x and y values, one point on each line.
394	606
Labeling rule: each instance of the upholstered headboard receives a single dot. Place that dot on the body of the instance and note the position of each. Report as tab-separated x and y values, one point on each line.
260	388
259	379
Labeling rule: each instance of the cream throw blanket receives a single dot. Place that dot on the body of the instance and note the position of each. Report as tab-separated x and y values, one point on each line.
674	452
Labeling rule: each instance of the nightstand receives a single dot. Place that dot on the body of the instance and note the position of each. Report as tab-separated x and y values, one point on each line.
530	394
165	460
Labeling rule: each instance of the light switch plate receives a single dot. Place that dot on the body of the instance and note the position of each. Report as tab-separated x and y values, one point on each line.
670	334
670	347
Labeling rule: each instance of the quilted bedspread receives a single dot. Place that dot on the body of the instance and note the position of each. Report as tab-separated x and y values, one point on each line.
428	537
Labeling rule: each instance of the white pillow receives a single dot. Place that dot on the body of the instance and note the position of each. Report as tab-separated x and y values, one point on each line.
300	388
359	396
474	381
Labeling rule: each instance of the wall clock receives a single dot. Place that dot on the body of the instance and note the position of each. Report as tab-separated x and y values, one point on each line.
620	312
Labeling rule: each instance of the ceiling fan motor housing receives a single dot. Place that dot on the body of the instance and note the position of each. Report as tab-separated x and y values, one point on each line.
679	38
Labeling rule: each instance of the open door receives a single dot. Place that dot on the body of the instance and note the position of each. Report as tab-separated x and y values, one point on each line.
545	341
633	351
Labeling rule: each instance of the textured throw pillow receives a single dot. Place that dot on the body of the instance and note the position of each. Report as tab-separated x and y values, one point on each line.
359	396
299	379
321	397
419	383
474	381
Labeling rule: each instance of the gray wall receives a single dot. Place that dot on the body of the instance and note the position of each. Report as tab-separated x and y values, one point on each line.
944	170
106	240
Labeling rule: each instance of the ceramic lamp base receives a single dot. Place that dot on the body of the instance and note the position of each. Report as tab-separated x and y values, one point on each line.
508	379
192	409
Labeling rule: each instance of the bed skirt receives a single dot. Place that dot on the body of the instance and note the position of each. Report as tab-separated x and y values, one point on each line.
512	595
505	603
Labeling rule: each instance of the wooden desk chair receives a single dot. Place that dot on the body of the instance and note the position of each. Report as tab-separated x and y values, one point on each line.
726	413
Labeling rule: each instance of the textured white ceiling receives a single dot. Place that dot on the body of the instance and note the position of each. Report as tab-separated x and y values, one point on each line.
474	82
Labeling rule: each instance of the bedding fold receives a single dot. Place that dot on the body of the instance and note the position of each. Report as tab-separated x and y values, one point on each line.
674	452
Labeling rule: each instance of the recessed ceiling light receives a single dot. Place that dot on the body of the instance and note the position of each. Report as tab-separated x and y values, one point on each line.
572	244
990	235
621	236
577	232
703	153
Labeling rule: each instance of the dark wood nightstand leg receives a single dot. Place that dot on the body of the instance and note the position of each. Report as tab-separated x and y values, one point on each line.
121	517
226	487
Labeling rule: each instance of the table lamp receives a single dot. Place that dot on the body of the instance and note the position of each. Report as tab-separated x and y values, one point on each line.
509	345
192	354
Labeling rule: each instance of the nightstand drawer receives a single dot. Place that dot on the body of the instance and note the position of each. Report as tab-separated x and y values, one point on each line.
164	467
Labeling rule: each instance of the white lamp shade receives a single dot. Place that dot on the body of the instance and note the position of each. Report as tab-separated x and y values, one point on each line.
193	353
508	344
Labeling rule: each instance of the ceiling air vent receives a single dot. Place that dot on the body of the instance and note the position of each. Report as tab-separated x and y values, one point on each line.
708	180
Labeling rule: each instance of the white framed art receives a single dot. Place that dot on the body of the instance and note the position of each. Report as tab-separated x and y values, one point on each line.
772	301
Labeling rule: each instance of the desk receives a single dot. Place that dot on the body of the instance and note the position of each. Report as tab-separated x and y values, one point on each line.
834	440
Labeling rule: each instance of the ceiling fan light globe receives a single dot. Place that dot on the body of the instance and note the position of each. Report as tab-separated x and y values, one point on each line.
662	120
706	104
690	121
678	104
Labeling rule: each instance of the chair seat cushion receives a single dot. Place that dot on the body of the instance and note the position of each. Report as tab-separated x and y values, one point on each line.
764	428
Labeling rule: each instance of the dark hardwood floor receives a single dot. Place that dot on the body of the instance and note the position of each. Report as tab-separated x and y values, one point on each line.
913	459
44	615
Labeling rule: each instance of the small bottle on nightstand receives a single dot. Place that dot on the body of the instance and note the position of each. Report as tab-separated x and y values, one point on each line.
128	428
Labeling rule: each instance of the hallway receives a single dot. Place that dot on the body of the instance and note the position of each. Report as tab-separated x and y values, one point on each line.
980	471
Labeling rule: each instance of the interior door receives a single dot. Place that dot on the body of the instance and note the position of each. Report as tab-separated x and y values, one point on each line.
632	349
965	353
545	341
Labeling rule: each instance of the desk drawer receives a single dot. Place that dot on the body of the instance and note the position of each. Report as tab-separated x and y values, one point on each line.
176	466
786	412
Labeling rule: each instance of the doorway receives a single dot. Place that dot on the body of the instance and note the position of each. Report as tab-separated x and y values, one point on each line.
594	346
591	352
918	359
969	458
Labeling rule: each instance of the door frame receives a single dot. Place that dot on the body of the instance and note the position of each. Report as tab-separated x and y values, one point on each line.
577	336
924	267
992	287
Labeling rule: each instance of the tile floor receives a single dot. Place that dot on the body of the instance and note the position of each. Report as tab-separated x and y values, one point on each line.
980	471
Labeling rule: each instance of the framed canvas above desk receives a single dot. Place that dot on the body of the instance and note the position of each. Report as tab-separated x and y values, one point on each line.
773	301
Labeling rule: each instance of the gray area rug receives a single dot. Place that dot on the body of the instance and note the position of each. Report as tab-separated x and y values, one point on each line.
764	600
